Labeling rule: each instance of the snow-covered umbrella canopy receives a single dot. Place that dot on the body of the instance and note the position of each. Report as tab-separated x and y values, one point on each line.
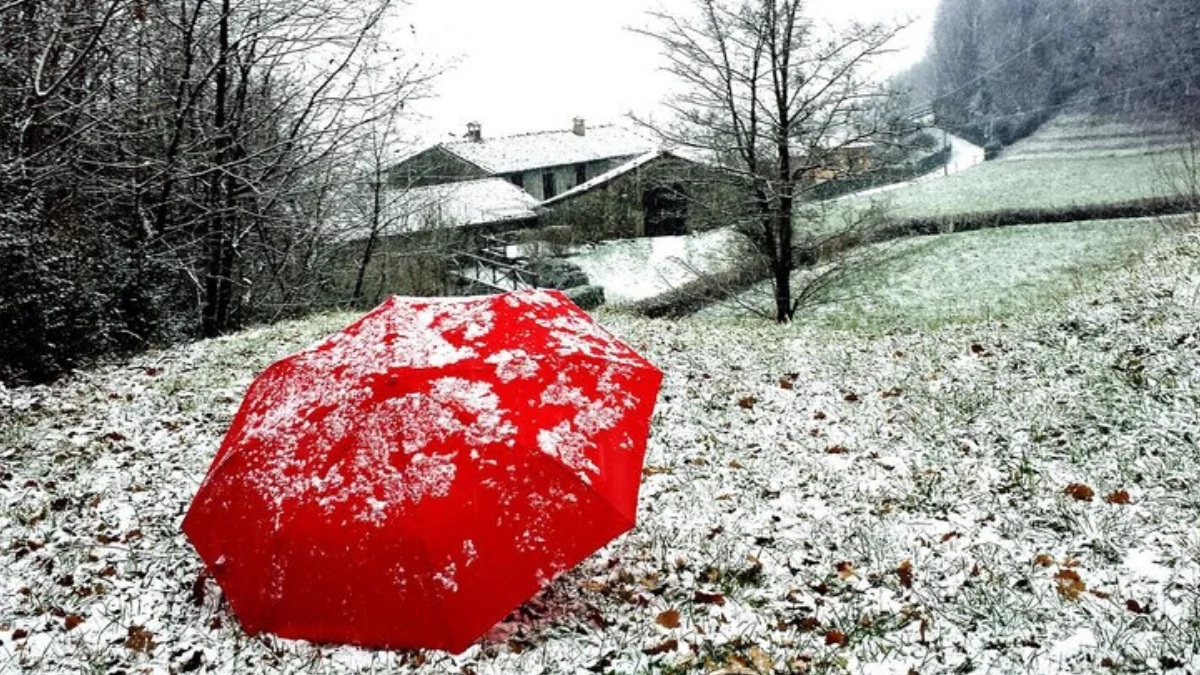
416	476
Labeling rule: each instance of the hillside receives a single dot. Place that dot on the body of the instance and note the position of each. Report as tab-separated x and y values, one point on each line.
1076	161
1010	496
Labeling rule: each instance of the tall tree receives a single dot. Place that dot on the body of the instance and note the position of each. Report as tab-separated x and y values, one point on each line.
775	98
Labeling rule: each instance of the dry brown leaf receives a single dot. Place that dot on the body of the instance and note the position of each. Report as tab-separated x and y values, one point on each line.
1080	492
747	402
709	598
844	569
809	624
662	647
761	660
139	640
835	637
654	470
787	384
1070	584
1118	497
668	619
72	621
906	573
836	450
1135	606
1043	560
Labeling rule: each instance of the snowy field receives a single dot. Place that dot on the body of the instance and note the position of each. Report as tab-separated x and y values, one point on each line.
1073	160
992	497
928	282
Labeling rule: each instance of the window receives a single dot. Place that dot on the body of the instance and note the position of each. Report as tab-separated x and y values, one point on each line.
548	184
580	174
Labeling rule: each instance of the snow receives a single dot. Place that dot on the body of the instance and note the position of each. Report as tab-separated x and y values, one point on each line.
635	269
474	202
962	474
526	152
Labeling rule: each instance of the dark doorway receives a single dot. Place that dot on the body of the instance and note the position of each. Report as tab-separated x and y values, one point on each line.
665	209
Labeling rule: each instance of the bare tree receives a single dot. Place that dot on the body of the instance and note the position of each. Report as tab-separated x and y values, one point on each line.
169	168
775	99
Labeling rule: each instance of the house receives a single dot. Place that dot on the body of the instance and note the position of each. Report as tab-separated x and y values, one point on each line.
543	164
597	182
646	196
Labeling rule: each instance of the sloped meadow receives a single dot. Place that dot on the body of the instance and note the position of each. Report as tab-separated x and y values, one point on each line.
995	496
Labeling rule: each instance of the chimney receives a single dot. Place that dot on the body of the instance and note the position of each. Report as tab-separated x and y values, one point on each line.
580	127
474	132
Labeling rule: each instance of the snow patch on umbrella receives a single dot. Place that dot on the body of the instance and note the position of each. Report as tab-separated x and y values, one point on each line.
513	364
570	447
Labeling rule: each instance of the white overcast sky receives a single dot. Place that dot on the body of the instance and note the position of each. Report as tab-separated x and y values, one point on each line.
531	65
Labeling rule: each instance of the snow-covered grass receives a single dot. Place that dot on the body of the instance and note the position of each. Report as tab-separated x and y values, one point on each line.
987	497
927	282
635	269
1052	183
1076	159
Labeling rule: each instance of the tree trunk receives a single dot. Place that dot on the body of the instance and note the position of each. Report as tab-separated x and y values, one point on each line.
376	219
218	282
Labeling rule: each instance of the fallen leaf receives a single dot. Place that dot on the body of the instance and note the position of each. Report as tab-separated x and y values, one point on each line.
1135	607
747	402
655	470
809	624
835	637
735	465
72	621
1080	492
139	640
668	619
1070	584
662	647
906	573
1118	497
836	450
819	415
951	535
787	384
850	397
844	569
593	586
761	660
20	634
1043	560
894	392
709	598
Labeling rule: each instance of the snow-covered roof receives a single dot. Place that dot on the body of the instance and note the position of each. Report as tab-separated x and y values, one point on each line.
607	177
476	202
525	152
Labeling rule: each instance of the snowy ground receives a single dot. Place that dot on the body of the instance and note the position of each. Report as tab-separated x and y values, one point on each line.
988	497
928	282
634	269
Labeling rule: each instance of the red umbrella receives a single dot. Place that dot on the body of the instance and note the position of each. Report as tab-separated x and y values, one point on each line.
415	477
